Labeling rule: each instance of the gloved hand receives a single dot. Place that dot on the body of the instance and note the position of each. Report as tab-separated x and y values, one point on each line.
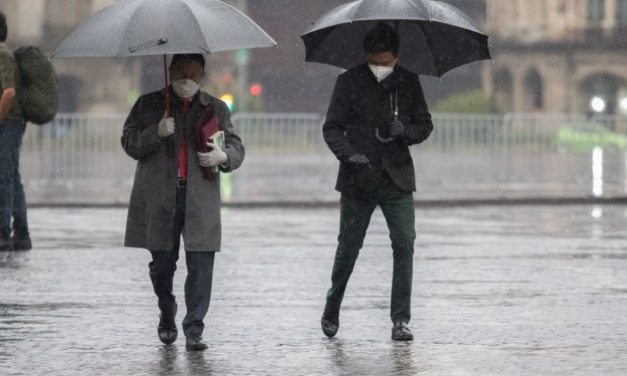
397	129
358	159
215	157
166	126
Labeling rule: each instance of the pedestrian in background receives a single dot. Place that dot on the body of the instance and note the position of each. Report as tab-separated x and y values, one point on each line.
377	111
14	234
176	191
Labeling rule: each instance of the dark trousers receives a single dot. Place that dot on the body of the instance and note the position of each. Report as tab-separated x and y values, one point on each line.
198	281
398	209
12	198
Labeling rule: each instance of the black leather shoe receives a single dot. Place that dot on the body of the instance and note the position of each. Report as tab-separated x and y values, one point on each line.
5	242
21	240
195	343
400	332
167	327
329	325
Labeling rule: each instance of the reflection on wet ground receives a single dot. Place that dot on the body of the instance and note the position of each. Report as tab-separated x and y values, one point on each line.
497	291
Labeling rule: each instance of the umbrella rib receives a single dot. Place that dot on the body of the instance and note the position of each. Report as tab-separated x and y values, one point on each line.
207	49
313	49
430	48
128	24
418	9
259	28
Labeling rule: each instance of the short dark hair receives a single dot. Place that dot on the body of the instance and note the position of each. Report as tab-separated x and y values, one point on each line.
3	27
199	58
382	38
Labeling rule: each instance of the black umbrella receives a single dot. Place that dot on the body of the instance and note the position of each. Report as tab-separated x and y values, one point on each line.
435	37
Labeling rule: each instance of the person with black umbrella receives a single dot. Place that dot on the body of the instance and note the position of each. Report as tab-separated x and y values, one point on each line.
377	111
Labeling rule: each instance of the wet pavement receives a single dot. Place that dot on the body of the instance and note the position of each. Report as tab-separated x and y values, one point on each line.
518	290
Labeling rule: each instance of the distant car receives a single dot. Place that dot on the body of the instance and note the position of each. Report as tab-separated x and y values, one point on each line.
586	136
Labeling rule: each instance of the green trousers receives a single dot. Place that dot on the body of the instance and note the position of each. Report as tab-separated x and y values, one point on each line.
398	208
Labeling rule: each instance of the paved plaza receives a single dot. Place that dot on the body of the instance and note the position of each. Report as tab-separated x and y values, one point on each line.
520	290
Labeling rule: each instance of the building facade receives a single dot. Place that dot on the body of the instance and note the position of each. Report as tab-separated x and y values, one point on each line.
94	85
558	56
85	85
287	83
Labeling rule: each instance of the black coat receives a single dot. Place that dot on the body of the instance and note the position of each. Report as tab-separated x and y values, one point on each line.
359	106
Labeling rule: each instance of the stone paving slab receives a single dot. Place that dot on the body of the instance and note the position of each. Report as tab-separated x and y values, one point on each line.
524	290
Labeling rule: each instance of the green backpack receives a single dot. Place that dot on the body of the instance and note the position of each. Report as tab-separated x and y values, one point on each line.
38	94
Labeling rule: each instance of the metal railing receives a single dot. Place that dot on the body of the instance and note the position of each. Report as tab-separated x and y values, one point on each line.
79	159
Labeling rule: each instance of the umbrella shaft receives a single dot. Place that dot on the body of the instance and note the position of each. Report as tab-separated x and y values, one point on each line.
167	92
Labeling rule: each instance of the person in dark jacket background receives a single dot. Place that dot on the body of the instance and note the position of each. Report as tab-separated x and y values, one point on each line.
376	112
13	211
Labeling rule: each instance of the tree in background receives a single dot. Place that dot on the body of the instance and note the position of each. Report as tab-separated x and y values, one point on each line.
471	102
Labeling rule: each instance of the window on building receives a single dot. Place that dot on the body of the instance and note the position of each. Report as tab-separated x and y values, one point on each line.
534	86
621	12
503	89
596	10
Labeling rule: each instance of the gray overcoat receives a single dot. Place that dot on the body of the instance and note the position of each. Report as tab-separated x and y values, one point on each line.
150	222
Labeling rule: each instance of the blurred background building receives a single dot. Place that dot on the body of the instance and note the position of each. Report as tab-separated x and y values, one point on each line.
558	56
273	80
551	56
85	85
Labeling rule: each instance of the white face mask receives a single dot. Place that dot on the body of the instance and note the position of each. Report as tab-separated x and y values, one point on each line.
185	88
381	73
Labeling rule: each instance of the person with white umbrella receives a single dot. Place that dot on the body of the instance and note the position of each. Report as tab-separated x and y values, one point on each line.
175	192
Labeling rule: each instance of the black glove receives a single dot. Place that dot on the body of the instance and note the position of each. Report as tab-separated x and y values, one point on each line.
358	159
397	129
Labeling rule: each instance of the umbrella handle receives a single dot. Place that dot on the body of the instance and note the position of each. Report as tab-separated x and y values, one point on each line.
167	92
381	139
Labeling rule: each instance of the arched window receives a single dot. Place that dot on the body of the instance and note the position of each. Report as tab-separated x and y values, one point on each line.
596	10
621	12
69	88
503	89
534	87
602	93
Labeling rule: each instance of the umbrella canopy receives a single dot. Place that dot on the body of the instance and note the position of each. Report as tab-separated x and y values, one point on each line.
159	27
435	37
162	27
